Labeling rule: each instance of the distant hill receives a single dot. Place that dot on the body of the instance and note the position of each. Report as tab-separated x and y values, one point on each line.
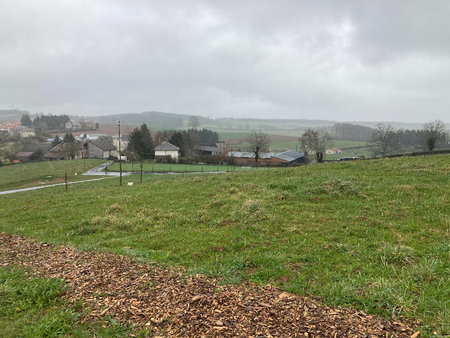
173	121
11	115
152	118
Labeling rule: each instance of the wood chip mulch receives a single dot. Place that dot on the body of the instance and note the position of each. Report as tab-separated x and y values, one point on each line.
169	303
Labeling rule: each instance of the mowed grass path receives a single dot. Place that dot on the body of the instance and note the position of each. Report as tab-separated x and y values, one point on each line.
23	175
369	234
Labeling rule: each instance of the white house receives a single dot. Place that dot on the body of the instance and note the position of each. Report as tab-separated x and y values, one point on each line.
167	149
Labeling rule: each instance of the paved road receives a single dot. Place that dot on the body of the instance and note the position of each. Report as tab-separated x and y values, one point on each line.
48	186
97	171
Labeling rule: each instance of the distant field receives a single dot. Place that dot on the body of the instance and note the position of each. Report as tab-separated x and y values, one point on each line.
295	145
369	234
23	175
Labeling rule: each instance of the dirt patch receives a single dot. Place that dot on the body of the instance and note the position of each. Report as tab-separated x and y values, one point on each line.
167	303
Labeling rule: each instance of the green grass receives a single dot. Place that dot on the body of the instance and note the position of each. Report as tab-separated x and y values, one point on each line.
149	166
371	234
33	174
32	307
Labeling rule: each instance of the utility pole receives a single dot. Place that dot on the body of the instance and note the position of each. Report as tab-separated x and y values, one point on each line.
120	157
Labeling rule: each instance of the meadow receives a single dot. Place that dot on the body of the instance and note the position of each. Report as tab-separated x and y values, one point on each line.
21	175
150	166
369	234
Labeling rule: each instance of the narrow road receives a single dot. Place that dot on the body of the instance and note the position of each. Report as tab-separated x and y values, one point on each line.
48	186
96	171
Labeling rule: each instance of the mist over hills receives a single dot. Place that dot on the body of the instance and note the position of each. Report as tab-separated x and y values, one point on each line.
163	120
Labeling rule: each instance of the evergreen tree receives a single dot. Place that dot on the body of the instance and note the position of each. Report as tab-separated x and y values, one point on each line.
57	140
69	138
26	121
141	142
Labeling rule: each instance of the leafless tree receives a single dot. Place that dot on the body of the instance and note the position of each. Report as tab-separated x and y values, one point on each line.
259	142
194	122
159	138
315	142
385	139
433	133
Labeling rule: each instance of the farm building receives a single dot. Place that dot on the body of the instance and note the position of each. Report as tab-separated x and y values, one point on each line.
285	157
67	151
166	149
102	147
33	152
211	149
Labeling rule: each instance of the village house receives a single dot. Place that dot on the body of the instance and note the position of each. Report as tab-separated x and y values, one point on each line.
23	131
167	149
102	147
8	126
73	125
123	142
67	151
33	152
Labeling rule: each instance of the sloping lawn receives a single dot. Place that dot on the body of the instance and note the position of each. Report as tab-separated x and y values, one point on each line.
23	175
369	234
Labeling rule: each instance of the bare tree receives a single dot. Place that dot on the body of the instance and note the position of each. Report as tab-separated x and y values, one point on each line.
159	138
433	133
315	142
385	139
259	142
10	152
194	122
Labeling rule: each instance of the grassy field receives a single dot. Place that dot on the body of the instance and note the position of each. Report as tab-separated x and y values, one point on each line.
365	150
149	166
371	234
23	175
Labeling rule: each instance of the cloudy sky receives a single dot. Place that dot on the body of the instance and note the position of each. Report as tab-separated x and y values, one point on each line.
339	60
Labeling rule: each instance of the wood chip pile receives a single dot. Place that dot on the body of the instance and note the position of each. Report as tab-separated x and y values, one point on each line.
169	303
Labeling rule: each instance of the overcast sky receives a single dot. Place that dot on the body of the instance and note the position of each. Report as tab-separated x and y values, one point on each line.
339	60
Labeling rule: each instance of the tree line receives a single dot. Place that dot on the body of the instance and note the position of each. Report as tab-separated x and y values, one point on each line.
384	138
45	122
141	143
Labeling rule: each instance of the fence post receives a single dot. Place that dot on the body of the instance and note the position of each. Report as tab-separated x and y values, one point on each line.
141	173
65	179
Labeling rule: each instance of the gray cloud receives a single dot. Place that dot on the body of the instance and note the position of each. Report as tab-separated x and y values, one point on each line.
351	60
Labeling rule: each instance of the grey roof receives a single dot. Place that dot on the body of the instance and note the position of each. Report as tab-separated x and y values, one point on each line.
210	148
104	143
242	154
33	147
289	155
166	146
